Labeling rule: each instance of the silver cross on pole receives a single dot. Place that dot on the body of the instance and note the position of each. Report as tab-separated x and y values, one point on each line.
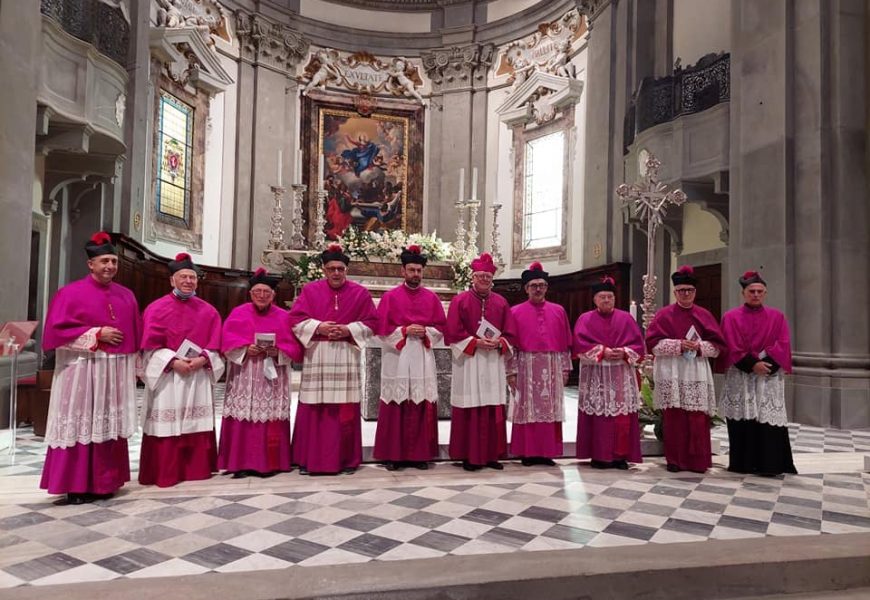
650	199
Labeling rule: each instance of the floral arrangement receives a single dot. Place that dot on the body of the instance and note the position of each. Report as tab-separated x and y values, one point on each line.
388	245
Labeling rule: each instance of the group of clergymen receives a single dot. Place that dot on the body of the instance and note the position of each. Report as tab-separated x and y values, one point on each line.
508	363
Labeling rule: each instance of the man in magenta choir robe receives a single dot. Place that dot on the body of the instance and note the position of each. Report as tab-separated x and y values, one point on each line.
332	318
182	364
538	372
683	337
411	321
481	333
609	345
93	326
753	397
258	343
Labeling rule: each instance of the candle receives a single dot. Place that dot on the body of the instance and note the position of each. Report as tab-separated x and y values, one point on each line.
474	184
321	168
299	165
280	165
461	185
632	309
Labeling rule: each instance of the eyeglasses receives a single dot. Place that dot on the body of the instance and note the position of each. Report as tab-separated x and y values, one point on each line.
686	291
262	292
538	286
335	269
483	276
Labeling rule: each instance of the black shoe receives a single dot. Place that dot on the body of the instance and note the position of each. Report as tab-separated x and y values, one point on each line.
71	499
264	475
303	471
240	474
95	497
672	468
422	465
494	464
622	465
470	467
527	462
348	471
391	466
600	464
547	461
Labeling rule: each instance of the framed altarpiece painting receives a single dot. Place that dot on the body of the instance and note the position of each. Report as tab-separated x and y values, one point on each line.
369	153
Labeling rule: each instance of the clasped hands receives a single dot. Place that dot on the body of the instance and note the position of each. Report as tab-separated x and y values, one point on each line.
489	344
110	336
688	345
333	331
417	331
613	354
254	350
186	366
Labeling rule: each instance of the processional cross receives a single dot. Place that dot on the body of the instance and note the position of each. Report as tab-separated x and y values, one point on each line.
650	199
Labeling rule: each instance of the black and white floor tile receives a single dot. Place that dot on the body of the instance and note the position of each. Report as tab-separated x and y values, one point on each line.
225	525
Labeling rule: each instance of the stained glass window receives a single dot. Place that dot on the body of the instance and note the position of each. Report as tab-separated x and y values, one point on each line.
175	134
544	189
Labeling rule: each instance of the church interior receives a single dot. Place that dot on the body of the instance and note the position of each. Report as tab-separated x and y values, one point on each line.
620	138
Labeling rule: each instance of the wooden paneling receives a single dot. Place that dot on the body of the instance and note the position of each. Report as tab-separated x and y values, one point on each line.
709	286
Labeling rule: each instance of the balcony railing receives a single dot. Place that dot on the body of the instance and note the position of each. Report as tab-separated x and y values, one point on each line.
687	91
92	21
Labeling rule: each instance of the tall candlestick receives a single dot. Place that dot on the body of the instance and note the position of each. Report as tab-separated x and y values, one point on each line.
461	185
280	166
474	183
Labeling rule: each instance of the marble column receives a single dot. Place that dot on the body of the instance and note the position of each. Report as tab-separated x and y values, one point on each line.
799	191
458	128
20	38
267	112
134	184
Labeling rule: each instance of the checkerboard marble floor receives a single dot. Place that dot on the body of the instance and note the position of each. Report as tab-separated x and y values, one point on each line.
228	525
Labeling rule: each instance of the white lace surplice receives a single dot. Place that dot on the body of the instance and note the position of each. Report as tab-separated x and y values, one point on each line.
681	382
751	396
480	379
93	395
409	373
608	388
250	396
331	370
540	392
178	404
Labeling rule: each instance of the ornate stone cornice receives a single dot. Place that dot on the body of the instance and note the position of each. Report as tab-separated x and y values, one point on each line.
592	8
265	42
458	66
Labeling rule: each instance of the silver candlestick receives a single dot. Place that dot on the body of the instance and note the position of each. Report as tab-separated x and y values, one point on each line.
473	205
319	241
297	239
495	250
459	244
276	232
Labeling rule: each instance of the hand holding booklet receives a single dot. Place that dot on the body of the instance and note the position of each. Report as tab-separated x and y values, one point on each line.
188	350
267	340
693	336
487	330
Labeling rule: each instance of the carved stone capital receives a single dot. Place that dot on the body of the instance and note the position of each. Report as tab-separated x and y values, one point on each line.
592	8
458	66
264	42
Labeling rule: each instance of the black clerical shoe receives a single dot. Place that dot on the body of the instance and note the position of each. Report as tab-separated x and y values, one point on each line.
422	465
672	468
71	499
494	464
264	475
470	467
95	497
303	471
348	471
527	462
549	462
622	465
240	474
600	464
391	466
